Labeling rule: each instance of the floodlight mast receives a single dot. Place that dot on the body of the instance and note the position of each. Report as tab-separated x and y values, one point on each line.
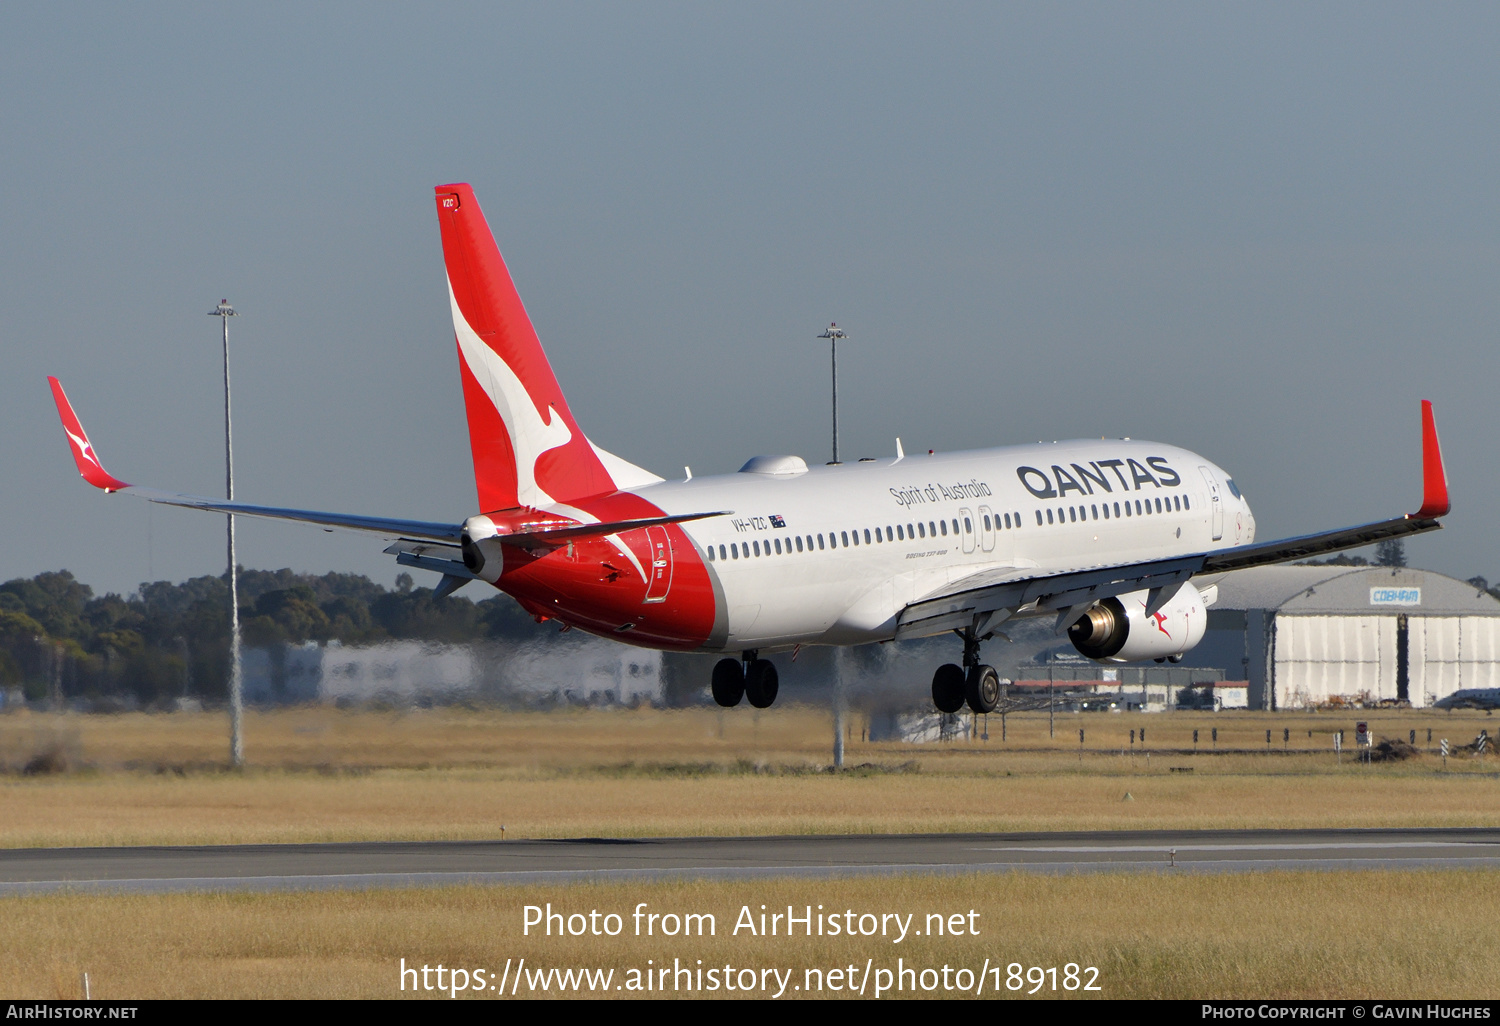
834	334
236	675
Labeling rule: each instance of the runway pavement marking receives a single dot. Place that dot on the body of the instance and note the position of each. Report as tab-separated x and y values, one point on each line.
368	881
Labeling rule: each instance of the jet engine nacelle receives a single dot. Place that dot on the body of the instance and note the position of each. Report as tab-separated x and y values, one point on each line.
1118	630
478	542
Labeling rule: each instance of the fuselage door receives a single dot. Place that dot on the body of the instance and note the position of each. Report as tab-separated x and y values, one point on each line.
967	528
659	572
986	527
1215	503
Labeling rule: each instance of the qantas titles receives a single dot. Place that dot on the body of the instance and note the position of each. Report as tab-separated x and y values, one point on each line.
1041	485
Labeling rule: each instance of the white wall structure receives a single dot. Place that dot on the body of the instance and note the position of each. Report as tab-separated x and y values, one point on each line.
1320	656
399	672
591	672
1455	652
1308	634
581	670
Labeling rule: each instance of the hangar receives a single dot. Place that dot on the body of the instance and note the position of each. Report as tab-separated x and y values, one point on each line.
1305	635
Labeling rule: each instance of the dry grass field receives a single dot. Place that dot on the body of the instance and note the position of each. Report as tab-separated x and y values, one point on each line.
322	774
1265	935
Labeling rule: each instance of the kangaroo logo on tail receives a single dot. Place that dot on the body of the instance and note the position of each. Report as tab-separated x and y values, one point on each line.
527	448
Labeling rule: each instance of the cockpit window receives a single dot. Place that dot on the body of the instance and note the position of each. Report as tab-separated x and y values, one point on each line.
1234	489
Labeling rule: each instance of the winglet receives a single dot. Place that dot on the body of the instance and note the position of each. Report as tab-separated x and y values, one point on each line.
78	441
1434	480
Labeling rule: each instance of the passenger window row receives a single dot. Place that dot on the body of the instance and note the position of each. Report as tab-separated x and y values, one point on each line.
940	528
1142	507
845	539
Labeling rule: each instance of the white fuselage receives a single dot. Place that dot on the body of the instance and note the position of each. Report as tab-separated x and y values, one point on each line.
798	560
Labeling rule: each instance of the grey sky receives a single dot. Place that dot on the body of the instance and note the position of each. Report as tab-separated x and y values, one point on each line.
1260	231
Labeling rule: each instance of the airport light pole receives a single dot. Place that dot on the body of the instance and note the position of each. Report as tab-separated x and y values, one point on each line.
833	335
838	708
236	677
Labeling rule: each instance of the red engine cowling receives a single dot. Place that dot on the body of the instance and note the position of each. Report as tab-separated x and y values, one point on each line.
1118	630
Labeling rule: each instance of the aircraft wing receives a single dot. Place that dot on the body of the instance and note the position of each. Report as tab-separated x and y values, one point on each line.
89	465
439	546
983	600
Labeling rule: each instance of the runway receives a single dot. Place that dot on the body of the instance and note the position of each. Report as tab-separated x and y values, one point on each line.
445	863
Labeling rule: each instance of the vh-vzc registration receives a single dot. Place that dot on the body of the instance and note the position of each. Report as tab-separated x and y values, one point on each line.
1117	541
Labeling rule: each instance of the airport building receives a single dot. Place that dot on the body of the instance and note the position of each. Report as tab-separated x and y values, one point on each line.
581	670
1304	636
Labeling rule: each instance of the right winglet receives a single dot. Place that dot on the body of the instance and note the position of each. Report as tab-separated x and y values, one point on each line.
1434	480
78	441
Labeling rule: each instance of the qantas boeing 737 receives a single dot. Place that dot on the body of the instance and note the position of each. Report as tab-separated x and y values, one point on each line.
1117	540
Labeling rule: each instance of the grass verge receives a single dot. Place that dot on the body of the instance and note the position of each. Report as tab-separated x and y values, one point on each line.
1389	935
320	774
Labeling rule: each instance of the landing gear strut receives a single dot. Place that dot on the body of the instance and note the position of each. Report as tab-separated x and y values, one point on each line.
973	683
747	677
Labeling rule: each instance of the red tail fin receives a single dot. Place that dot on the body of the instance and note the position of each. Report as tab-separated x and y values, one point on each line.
527	447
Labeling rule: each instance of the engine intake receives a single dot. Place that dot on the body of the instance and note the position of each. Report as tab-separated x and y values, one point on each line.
472	540
1102	630
1118	630
473	558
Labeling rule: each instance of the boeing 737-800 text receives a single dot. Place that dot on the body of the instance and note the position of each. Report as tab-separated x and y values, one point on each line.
1118	540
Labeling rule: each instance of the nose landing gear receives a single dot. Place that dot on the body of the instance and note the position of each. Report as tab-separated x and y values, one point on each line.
976	684
749	677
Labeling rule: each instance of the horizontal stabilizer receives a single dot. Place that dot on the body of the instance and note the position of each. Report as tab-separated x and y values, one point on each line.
531	534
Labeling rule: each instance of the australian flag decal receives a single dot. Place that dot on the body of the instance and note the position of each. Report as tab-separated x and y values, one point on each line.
778	521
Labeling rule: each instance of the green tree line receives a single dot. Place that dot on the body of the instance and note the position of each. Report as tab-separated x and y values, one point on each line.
170	640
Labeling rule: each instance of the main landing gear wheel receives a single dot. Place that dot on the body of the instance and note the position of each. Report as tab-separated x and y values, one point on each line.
948	688
982	689
761	683
728	682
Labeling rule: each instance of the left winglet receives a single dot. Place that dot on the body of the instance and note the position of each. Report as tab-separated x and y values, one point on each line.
1434	479
78	441
94	473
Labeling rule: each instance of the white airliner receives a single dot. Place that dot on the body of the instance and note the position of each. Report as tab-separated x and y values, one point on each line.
1116	540
1470	698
